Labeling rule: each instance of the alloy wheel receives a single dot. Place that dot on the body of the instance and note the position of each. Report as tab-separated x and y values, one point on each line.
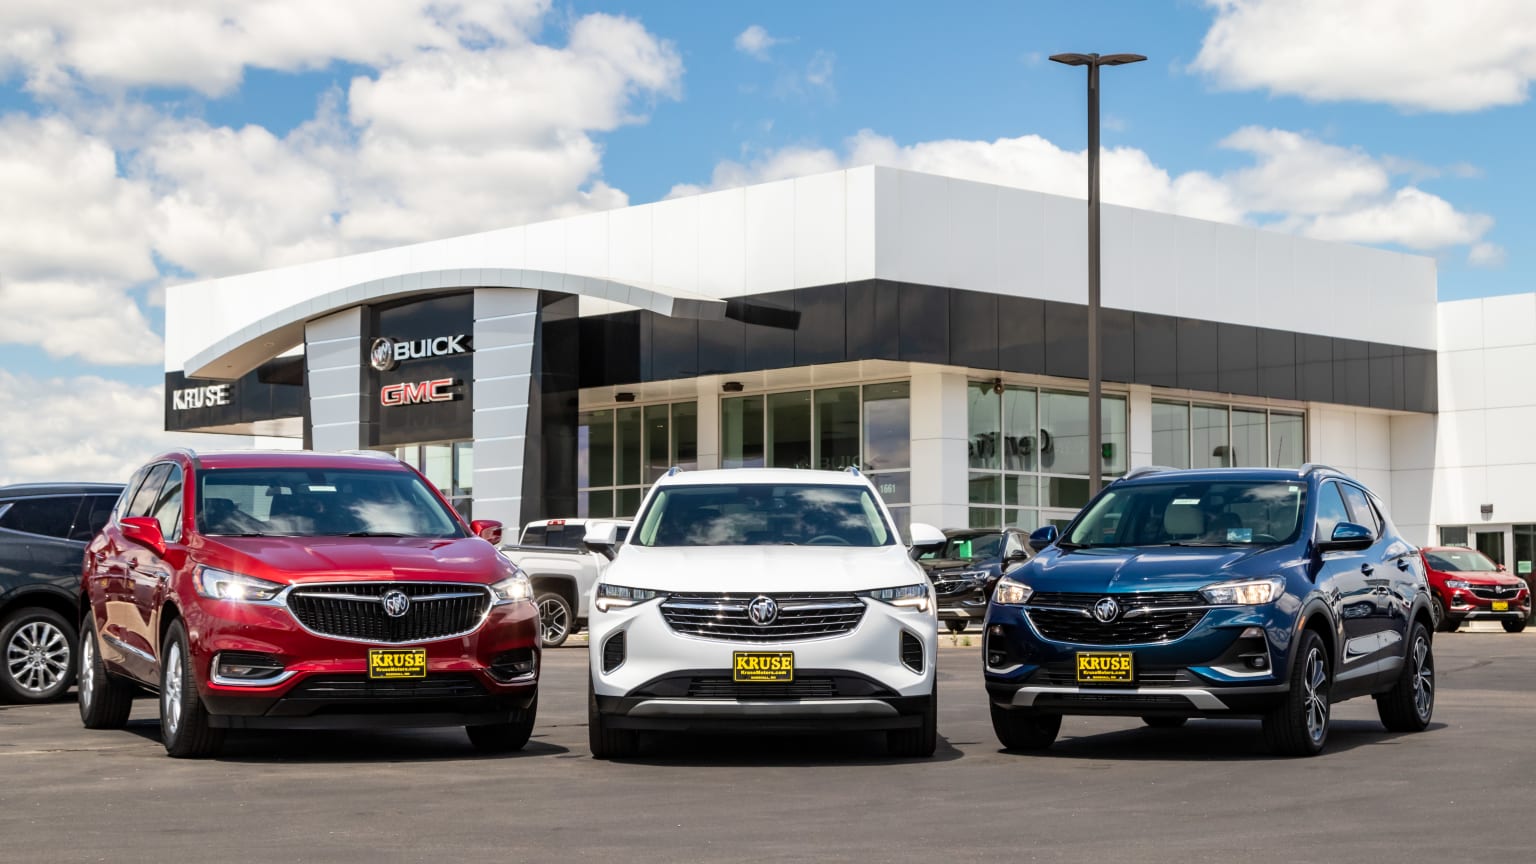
553	619
87	668
170	712
37	656
1316	685
1423	678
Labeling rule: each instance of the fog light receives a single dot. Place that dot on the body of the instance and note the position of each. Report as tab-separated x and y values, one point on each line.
1258	662
244	667
511	665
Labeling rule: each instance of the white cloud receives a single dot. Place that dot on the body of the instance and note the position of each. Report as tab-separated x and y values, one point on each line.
1427	55
818	72
755	42
1295	182
1487	255
52	429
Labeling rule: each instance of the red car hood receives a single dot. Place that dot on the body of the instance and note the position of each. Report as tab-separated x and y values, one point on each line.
316	559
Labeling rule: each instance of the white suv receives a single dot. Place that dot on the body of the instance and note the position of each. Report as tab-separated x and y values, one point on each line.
768	600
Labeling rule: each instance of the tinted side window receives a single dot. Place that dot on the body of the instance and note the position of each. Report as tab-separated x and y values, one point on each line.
534	536
94	513
1330	510
144	500
48	517
168	505
1360	510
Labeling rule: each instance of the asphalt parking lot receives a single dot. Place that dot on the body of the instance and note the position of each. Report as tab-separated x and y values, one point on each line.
1111	790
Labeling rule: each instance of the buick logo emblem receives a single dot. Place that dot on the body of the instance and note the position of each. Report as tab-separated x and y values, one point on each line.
763	611
1106	610
396	604
382	355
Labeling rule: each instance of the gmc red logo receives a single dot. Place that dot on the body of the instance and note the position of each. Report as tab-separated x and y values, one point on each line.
418	392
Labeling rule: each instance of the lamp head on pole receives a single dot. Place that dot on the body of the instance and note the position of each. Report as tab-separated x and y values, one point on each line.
1097	59
1075	59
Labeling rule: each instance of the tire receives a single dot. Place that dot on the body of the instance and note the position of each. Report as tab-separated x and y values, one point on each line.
1023	729
37	655
607	742
105	700
507	737
1299	725
1513	626
1164	722
557	621
184	726
1443	622
1410	704
957	627
918	743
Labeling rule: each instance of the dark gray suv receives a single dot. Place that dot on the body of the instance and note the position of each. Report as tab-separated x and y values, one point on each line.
43	531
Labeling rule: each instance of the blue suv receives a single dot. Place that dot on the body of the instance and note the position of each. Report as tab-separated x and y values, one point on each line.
1214	593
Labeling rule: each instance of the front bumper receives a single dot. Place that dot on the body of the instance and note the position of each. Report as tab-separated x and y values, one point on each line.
1198	674
966	605
1462	605
672	682
325	683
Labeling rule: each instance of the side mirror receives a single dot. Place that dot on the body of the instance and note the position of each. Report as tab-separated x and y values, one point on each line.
487	529
1347	536
145	531
1017	555
925	539
602	538
1043	537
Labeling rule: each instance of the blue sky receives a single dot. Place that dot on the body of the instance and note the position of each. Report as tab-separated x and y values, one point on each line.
224	141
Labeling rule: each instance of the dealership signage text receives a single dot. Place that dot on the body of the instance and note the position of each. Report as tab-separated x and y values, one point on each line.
419	392
386	353
206	396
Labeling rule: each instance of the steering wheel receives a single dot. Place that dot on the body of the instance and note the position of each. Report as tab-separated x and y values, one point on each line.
828	540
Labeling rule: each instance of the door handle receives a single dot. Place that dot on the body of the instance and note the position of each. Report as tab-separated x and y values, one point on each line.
1402	564
1367	569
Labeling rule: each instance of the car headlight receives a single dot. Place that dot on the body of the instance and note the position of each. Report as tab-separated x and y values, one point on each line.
621	596
1245	592
512	589
1457	583
224	585
912	596
1011	593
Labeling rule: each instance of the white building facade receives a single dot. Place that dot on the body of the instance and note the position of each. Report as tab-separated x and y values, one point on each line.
927	330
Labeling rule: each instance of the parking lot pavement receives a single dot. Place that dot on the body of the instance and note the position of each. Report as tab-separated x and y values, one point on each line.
1109	791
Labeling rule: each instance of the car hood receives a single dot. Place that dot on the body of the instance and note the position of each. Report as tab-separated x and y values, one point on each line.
1480	577
328	559
1147	569
762	569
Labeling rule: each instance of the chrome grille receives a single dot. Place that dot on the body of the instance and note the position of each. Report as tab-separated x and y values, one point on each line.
801	616
946	583
1146	617
1496	592
355	611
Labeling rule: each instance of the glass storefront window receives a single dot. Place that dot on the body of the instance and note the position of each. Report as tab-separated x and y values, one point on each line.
1020	432
741	432
1249	447
1285	440
463	469
986	426
450	466
658	444
595	443
887	426
1170	434
789	430
627	428
685	435
837	428
1208	437
437	464
621	451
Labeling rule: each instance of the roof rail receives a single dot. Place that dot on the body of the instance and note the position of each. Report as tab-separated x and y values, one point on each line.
674	471
1312	467
376	454
854	470
1146	469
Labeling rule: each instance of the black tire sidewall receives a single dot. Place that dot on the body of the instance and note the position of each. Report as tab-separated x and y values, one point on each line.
10	689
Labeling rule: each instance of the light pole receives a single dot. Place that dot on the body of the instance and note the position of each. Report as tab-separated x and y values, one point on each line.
1095	383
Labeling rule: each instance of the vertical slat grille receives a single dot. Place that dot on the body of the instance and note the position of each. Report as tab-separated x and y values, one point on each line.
355	611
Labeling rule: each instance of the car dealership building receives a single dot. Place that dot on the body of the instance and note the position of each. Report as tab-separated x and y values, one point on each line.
930	331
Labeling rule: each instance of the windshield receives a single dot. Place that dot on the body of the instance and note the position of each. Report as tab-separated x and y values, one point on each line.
1193	513
307	503
969	547
762	514
1460	561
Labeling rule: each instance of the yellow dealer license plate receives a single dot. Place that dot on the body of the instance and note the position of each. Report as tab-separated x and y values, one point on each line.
1099	667
397	663
1501	605
752	666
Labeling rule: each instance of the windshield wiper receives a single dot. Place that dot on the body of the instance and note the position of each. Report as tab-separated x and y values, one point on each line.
1069	545
377	534
1195	543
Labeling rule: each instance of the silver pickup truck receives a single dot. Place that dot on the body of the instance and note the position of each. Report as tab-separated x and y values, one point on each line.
562	570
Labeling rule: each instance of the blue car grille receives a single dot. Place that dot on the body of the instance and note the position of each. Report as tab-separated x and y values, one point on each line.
1146	618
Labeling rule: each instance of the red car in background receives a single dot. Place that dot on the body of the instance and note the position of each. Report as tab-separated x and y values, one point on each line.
1468	586
302	591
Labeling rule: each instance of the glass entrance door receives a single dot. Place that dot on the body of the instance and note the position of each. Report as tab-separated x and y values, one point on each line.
1490	543
1525	554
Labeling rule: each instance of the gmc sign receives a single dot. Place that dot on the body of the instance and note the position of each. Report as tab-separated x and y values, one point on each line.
418	392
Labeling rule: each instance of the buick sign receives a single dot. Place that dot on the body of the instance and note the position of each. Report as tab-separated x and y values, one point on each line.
386	353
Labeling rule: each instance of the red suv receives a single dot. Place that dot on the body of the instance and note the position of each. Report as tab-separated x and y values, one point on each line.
302	591
1468	586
